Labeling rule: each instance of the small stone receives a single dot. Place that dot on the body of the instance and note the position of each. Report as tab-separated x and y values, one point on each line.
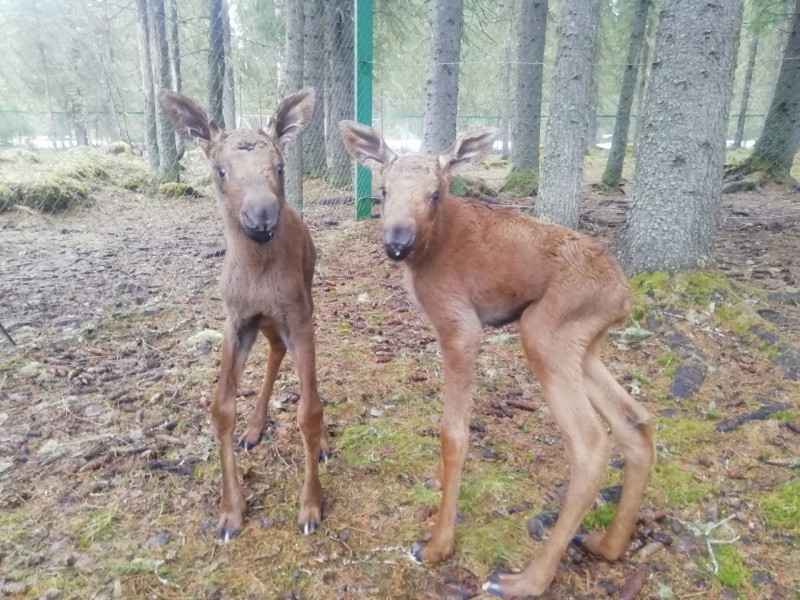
157	539
761	578
688	379
93	410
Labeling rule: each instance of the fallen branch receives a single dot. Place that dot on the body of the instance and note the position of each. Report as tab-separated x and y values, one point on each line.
522	405
8	335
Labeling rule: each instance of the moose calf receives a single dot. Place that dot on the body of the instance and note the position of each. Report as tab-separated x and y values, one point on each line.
266	285
468	264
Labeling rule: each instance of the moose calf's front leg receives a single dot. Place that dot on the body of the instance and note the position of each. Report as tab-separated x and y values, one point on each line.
459	354
236	345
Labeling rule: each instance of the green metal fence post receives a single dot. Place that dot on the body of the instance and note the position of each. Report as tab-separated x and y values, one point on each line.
363	98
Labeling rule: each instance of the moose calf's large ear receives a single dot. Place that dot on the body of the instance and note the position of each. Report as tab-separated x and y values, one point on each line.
469	149
292	116
188	118
365	145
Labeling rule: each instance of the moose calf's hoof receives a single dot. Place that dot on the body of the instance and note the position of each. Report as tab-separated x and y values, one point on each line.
308	528
226	535
324	456
492	585
416	552
246	444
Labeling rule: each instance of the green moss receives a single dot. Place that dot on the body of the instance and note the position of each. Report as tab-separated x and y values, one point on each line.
600	517
173	189
782	415
81	169
683	435
409	451
14	155
739	317
485	486
733	572
51	194
667	359
97	526
501	539
134	184
119	148
736	156
677	485
345	328
782	507
524	183
458	186
649	285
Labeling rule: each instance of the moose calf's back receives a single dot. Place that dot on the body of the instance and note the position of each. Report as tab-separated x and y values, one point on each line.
504	260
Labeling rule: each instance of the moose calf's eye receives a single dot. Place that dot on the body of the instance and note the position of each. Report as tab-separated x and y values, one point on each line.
435	196
221	172
279	169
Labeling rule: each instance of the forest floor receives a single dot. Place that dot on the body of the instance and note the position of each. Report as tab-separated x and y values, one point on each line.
109	478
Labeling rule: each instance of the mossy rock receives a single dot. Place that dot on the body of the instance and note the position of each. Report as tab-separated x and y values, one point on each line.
52	194
134	184
471	188
174	189
524	183
7	196
119	148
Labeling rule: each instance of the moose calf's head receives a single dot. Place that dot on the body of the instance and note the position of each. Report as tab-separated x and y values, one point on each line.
413	184
247	166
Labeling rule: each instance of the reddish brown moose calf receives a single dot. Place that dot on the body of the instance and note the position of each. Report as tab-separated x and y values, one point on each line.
266	285
468	264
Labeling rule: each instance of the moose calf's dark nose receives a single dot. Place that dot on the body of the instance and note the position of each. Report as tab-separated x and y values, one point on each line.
259	223
398	242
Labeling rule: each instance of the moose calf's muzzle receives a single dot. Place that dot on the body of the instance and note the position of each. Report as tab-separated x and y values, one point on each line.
398	241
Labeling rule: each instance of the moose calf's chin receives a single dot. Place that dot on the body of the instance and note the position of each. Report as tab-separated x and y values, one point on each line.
259	236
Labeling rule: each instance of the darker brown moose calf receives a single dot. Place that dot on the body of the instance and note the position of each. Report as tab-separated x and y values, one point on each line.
266	285
468	264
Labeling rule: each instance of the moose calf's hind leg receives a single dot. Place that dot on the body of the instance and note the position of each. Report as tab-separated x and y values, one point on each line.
630	425
586	442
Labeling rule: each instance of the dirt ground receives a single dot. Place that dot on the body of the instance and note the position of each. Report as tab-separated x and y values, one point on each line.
109	477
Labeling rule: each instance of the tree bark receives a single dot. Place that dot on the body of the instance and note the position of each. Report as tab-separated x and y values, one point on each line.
506	108
342	104
292	81
778	143
175	61
644	77
228	87
441	87
168	165
216	62
619	141
748	80
530	56
671	223
567	127
146	67
314	76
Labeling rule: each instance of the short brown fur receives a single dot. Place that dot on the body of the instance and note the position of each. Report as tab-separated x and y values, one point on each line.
468	264
266	284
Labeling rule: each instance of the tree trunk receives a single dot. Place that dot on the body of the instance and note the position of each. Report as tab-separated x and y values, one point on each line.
175	60
168	153
441	87
216	62
530	56
644	77
619	142
314	76
115	129
228	88
567	127
292	81
342	103
506	108
777	145
45	76
748	80
672	218
146	66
